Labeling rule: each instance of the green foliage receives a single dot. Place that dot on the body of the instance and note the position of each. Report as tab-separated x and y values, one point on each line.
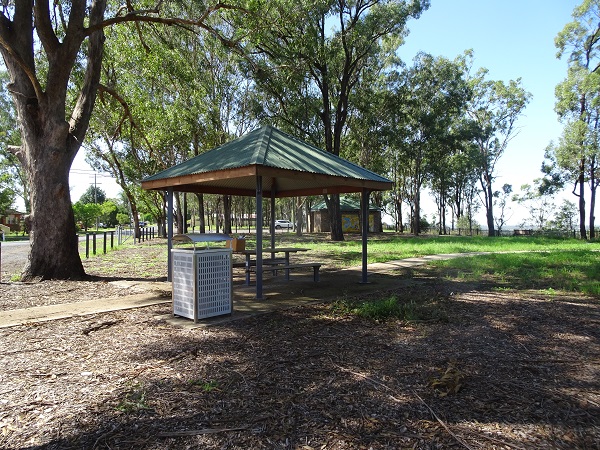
206	386
424	225
539	205
312	58
86	213
494	110
13	182
134	401
93	194
422	128
108	213
387	308
575	157
7	195
122	219
391	308
565	218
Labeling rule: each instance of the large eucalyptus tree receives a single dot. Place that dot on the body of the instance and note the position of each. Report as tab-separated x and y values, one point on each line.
44	44
495	108
577	153
310	56
165	98
428	100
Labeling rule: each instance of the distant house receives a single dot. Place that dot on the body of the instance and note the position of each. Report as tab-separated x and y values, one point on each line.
319	217
13	219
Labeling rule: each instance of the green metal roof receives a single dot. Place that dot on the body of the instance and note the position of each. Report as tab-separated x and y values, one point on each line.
288	165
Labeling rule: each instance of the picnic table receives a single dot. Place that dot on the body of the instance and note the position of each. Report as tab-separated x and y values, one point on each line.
274	264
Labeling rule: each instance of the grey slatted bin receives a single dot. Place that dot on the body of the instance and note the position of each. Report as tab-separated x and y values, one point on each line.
202	277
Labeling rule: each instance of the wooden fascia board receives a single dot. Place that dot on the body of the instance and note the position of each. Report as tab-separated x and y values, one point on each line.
331	180
220	190
324	184
199	178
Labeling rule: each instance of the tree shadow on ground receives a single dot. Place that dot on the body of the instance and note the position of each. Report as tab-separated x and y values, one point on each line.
526	364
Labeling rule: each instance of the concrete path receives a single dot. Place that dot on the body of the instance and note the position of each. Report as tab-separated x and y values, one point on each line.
23	316
293	294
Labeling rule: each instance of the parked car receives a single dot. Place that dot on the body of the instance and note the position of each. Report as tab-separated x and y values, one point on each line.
279	224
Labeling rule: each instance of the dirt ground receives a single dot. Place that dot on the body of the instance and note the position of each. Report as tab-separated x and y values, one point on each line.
492	369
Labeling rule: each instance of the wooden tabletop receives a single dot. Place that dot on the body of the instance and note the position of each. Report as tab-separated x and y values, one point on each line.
275	250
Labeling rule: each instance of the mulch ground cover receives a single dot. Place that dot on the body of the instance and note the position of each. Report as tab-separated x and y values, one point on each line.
491	369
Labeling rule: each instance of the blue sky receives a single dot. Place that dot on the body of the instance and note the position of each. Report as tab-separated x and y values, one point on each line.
512	39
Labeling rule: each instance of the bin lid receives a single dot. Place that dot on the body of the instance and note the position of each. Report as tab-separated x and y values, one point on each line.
201	237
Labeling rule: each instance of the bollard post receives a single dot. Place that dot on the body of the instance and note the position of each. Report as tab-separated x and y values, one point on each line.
112	239
87	245
93	243
104	243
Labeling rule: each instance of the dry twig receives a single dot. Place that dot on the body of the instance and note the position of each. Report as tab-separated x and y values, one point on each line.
199	432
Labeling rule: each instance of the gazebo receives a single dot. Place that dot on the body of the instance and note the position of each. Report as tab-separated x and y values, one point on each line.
267	163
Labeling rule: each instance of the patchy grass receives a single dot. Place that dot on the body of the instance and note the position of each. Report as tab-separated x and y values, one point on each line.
417	309
134	401
548	271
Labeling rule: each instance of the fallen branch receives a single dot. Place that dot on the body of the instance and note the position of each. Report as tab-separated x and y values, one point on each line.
199	432
100	326
499	441
443	424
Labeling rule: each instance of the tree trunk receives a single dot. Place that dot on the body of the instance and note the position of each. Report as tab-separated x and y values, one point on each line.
581	195
594	186
299	215
54	243
489	204
227	214
48	142
399	220
178	213
416	226
201	219
335	217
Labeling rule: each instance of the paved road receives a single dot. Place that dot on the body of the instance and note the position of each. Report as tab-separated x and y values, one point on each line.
13	256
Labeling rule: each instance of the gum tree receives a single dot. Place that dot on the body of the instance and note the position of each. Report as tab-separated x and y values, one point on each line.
310	59
578	106
45	46
494	110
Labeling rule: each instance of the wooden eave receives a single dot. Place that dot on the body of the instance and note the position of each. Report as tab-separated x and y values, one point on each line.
242	182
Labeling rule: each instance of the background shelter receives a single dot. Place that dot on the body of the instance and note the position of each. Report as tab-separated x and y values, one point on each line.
267	163
351	217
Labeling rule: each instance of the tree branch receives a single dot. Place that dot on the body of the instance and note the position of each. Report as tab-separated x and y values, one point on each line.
44	26
126	112
82	112
11	48
140	16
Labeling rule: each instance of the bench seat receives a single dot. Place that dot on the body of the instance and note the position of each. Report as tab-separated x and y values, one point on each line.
287	268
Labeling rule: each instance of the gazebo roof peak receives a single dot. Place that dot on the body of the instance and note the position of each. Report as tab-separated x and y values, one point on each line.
290	166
